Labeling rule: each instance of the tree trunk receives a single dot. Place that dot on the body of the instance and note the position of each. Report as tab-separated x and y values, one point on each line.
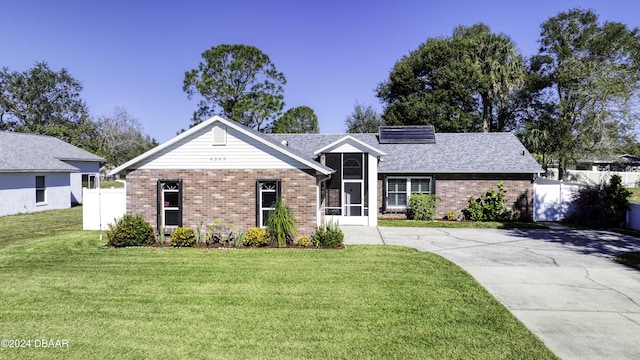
485	113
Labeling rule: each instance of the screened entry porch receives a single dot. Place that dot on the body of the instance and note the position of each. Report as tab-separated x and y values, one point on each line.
349	196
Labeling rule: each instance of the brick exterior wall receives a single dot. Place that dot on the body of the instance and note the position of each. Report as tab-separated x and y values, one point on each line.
226	195
454	192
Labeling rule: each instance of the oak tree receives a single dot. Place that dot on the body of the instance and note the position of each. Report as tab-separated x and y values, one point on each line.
589	74
43	101
460	83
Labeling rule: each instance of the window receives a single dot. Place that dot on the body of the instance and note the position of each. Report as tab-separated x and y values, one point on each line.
89	181
397	194
420	186
268	192
351	166
41	191
169	203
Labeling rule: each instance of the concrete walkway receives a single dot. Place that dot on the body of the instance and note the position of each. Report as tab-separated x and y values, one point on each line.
561	283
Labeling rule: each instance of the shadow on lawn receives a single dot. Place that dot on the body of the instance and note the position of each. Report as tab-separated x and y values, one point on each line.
591	242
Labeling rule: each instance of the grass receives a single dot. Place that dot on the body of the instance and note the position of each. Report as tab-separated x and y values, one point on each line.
630	259
39	224
635	195
462	224
166	303
105	184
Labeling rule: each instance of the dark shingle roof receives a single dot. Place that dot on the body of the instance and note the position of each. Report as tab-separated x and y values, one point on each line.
21	152
452	152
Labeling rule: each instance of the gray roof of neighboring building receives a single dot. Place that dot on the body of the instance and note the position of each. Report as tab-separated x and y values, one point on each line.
20	152
545	181
621	159
452	152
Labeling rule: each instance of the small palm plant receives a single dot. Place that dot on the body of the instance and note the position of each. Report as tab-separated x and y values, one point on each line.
281	225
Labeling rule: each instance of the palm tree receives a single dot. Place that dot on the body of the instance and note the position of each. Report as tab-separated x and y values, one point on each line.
498	66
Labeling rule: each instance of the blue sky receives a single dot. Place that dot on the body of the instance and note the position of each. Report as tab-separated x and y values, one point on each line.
134	54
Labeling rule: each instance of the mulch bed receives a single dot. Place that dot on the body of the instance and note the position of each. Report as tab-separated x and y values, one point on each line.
218	246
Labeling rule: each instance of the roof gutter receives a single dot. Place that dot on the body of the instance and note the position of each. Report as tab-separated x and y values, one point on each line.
39	171
537	171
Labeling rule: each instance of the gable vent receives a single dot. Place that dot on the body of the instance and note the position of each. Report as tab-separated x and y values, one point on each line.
424	134
219	135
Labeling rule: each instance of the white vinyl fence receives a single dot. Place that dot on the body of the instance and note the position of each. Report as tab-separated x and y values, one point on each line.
101	206
633	217
629	179
552	200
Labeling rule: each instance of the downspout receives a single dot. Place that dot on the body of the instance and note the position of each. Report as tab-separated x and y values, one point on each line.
99	212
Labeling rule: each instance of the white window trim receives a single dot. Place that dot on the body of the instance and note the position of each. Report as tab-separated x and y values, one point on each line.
387	192
408	187
43	189
261	209
165	208
92	180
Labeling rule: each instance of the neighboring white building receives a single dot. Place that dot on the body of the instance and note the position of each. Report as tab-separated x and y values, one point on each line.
39	172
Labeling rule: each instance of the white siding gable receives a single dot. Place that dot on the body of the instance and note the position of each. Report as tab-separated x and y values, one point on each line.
200	151
349	144
346	148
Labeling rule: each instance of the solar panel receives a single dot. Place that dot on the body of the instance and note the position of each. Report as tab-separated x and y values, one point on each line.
424	134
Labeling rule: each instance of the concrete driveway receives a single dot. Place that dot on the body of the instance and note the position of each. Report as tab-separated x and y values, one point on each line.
561	283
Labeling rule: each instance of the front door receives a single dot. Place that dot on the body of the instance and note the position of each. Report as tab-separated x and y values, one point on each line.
352	198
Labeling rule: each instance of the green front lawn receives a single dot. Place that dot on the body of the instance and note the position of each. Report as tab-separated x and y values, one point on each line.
16	228
167	303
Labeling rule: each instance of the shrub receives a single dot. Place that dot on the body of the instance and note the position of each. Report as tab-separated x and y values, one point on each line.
328	236
304	241
130	230
421	207
239	238
601	206
451	215
221	233
490	206
281	225
198	233
183	237
256	237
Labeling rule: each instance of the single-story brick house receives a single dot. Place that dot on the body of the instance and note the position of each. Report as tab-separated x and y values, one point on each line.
221	170
39	172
